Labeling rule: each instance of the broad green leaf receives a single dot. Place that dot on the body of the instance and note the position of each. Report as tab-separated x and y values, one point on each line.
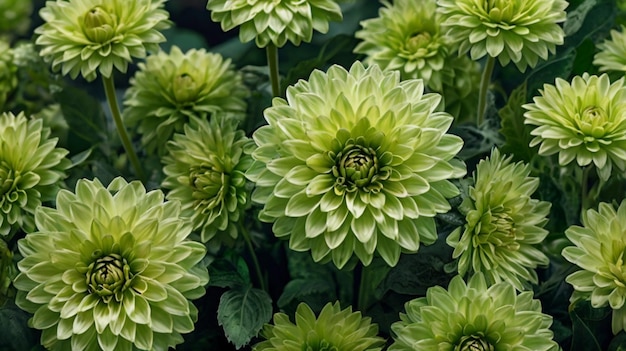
230	271
84	117
16	335
618	343
516	133
242	312
590	327
300	290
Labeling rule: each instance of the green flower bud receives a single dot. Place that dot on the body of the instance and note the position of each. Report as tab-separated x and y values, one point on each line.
98	25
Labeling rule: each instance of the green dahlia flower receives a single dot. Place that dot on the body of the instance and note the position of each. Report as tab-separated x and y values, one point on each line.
503	224
31	170
334	329
15	16
275	21
110	269
8	72
355	161
600	251
205	171
406	36
521	31
612	54
584	120
85	36
473	317
170	88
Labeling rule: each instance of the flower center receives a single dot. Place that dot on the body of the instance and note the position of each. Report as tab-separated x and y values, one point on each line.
108	277
419	41
499	10
592	122
209	187
185	88
357	167
498	228
473	343
98	25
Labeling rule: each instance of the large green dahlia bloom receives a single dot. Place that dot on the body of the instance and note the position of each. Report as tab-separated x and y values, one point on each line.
503	224
334	329
473	317
584	120
355	162
600	250
612	52
205	169
90	36
170	88
275	21
406	36
31	170
110	268
518	31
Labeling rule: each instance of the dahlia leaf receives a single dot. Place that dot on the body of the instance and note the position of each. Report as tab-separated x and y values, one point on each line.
515	132
242	312
588	324
304	289
230	271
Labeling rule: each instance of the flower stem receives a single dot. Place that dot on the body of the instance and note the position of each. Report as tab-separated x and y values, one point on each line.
272	61
255	260
484	88
109	89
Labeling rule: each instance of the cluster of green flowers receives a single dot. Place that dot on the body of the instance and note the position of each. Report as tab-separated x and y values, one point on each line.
352	164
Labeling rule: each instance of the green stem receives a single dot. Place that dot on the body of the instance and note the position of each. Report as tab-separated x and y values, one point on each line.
109	89
255	260
363	300
584	186
272	61
485	80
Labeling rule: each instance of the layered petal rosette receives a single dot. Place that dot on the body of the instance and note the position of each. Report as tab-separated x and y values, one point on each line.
110	269
473	317
88	37
600	251
504	224
334	329
31	170
518	31
584	120
406	36
275	21
612	52
355	162
171	87
205	170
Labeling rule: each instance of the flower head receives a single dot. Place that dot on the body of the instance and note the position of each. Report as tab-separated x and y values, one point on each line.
205	169
90	36
31	169
355	162
8	72
503	224
584	120
473	317
110	268
334	329
170	88
599	250
612	53
518	31
275	21
406	36
15	16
